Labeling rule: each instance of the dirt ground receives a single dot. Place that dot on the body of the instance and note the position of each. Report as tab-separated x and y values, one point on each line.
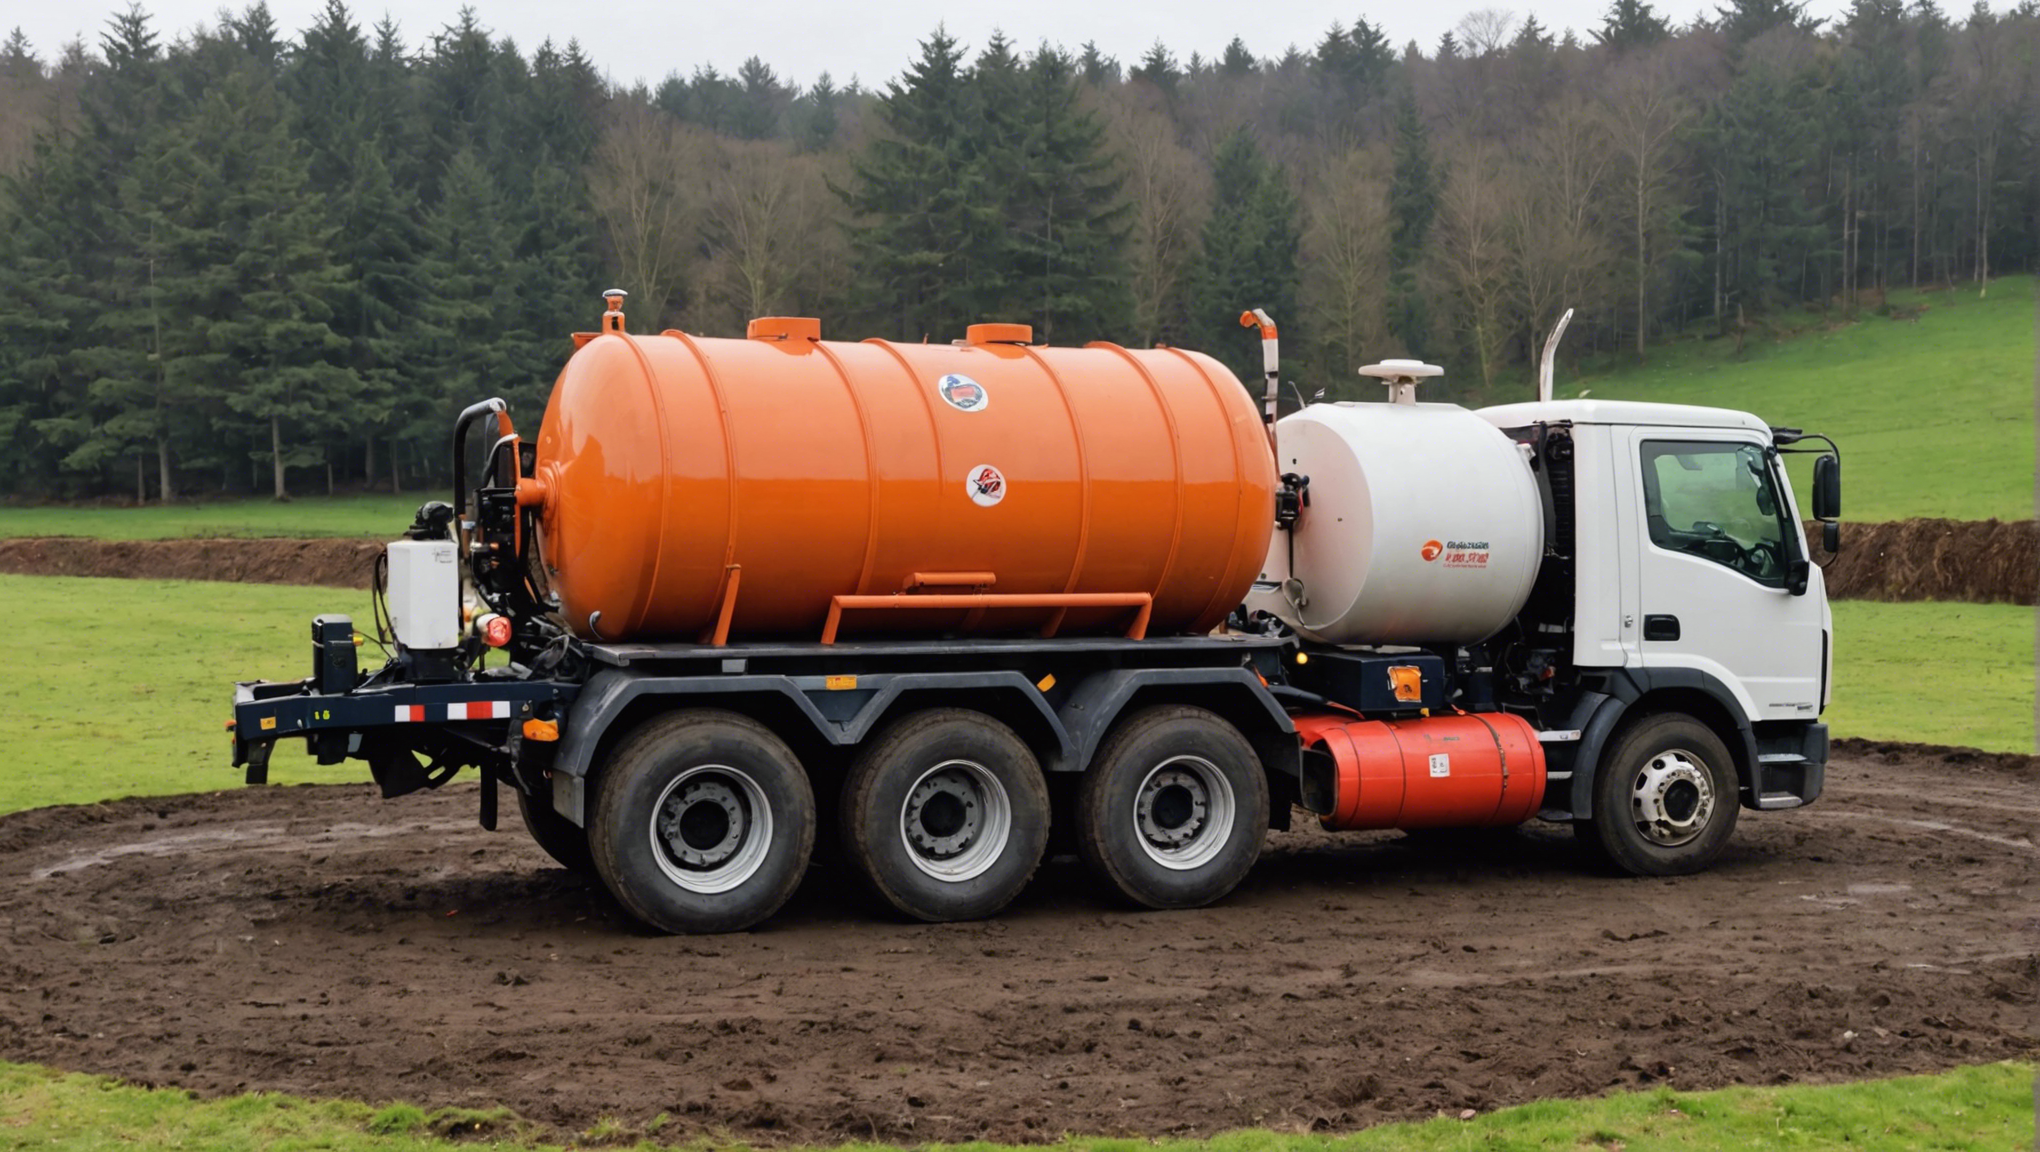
1981	560
316	940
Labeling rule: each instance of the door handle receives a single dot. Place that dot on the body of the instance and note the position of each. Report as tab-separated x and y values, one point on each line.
1660	627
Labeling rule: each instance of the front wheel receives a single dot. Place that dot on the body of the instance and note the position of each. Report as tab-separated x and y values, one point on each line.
1665	799
703	822
1174	808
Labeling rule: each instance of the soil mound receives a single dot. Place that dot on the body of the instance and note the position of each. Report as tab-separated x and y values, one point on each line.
1983	561
316	940
330	562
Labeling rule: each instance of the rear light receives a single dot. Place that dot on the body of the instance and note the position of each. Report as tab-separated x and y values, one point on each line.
494	629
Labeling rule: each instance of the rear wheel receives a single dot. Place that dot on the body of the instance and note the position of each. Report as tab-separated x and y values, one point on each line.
945	815
1174	808
703	821
1665	799
561	838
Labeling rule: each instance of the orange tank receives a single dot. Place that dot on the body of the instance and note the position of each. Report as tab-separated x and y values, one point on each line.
1474	770
782	485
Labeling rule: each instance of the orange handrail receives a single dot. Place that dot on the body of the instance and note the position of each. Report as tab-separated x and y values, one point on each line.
982	602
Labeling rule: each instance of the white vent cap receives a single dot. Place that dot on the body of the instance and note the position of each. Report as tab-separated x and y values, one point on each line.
1398	370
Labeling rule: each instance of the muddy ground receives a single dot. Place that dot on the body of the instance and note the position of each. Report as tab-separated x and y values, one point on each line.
1979	560
317	940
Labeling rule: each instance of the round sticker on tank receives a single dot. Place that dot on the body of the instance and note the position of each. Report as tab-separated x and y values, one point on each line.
963	393
986	485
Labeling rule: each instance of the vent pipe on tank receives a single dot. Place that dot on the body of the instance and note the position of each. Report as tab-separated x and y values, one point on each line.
1401	376
1545	366
1271	364
612	317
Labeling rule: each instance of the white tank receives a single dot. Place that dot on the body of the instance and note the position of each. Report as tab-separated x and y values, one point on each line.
1424	526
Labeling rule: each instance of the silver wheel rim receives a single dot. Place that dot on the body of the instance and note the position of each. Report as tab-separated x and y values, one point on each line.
956	821
1183	813
1672	798
711	829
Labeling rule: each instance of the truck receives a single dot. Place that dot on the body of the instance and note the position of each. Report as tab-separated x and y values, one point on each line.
965	606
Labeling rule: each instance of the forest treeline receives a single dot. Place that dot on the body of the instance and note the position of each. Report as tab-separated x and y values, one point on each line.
242	260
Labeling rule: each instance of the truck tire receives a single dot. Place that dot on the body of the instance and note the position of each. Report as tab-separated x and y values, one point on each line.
945	815
1665	798
703	821
1173	809
560	837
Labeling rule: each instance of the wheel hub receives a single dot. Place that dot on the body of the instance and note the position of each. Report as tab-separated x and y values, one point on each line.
943	814
1672	798
1172	807
703	822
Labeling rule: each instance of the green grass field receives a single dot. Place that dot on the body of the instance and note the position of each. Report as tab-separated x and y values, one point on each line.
373	515
1934	416
122	687
1986	1107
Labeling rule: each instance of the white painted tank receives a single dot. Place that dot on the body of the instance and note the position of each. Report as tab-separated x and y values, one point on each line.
1424	526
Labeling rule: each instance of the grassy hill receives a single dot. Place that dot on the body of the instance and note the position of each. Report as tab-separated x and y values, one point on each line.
1932	406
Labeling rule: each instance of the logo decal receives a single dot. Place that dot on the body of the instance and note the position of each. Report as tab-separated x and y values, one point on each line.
963	393
1466	553
985	485
1432	550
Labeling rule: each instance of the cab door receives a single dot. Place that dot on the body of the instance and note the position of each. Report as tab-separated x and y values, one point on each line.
1718	541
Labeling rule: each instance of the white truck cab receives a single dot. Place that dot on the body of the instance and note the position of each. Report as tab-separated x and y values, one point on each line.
1678	574
1690	551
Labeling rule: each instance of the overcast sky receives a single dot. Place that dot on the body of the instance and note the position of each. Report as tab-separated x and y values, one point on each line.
800	39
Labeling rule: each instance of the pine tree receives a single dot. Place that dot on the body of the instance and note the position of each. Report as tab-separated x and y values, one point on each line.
257	248
1158	67
1631	24
1412	204
1236	61
925	220
1065	226
1248	255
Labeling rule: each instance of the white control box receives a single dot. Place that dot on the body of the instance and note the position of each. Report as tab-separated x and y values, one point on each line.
424	593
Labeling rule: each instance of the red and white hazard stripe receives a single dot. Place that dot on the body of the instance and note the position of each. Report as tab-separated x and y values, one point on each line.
471	710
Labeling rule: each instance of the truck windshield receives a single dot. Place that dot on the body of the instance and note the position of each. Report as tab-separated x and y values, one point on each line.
1718	501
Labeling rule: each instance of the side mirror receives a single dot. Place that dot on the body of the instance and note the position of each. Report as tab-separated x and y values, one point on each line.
1831	537
1827	488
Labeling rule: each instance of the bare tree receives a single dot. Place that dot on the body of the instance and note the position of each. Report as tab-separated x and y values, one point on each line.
1169	190
1345	253
646	185
1642	113
1473	249
770	231
1486	30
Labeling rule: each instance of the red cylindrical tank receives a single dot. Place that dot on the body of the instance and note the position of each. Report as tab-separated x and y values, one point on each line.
685	478
1467	771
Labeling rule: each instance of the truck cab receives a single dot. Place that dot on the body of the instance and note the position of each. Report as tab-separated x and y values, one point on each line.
1677	566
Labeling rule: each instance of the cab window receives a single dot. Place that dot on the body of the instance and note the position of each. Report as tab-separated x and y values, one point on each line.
1717	501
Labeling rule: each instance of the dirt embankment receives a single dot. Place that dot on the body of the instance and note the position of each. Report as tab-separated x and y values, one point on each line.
335	563
1984	561
319	941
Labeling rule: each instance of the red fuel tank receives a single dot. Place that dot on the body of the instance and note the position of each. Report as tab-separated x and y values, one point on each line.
1467	771
696	488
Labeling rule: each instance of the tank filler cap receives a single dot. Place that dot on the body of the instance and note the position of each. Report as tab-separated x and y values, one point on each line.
1401	376
791	329
980	334
612	316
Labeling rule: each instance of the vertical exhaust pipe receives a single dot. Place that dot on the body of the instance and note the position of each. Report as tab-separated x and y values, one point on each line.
1547	365
1271	363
